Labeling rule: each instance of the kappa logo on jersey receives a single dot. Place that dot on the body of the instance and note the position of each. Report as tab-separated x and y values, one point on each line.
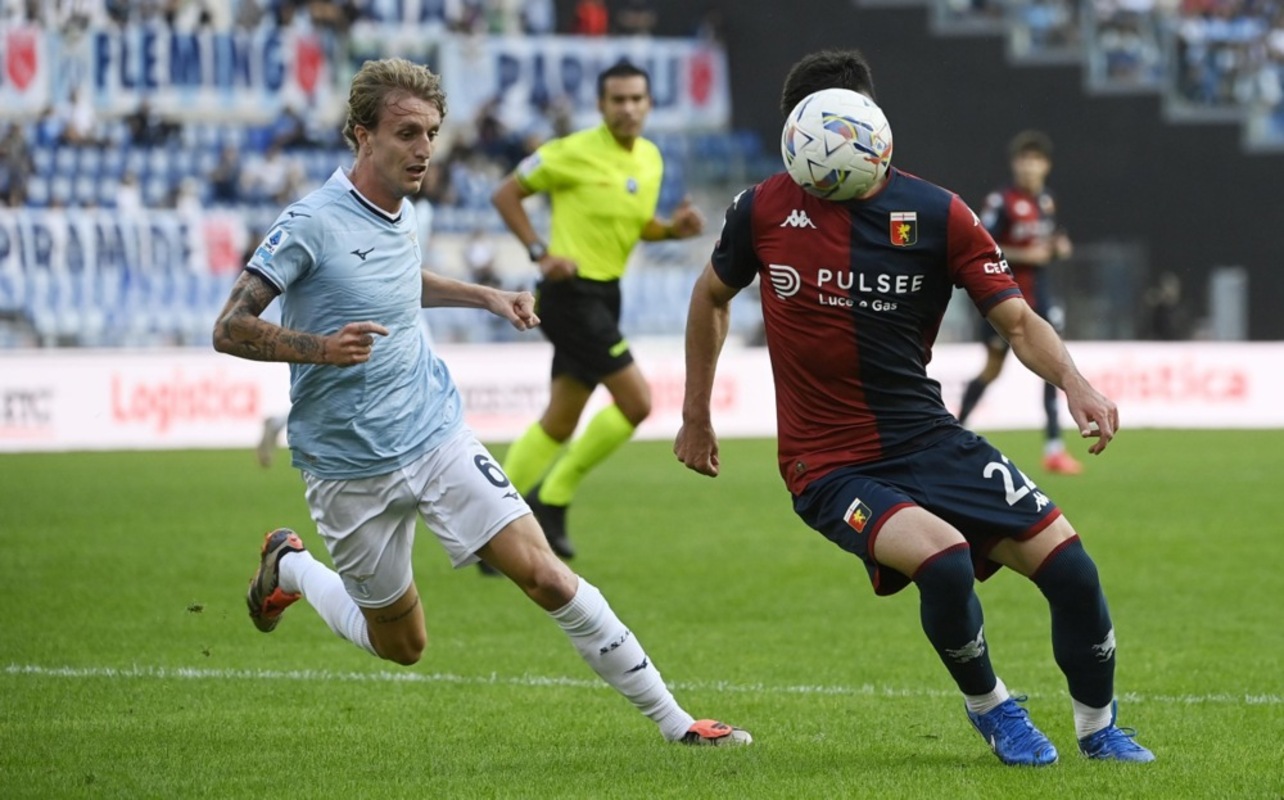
785	280
903	228
271	243
798	219
858	515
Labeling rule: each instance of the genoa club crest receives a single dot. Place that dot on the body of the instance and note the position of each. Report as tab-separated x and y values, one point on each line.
858	515
903	228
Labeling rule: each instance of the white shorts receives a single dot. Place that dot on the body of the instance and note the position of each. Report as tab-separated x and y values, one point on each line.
368	524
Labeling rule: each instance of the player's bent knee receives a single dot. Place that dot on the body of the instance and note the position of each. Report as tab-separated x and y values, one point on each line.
948	572
550	583
403	651
636	414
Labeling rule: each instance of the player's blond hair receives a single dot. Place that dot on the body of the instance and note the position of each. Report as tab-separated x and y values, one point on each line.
377	81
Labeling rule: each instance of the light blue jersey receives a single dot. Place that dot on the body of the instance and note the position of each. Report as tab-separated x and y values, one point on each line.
337	258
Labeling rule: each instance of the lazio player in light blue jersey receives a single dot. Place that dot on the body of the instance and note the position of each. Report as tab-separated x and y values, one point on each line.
375	425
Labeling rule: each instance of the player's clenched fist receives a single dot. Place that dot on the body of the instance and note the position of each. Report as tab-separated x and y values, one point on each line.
352	344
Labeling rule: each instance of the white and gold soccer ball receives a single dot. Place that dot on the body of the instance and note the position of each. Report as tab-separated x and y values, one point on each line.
836	144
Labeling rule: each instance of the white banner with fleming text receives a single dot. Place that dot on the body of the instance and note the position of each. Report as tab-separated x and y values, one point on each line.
153	399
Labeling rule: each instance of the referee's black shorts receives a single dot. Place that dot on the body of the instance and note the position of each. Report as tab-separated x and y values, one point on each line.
581	318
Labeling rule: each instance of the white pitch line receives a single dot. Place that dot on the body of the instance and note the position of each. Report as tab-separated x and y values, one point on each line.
383	676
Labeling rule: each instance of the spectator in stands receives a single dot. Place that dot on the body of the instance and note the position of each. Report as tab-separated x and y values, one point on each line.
479	259
539	17
268	177
635	18
604	185
77	119
436	187
1165	313
494	141
290	131
466	16
148	130
249	13
186	199
335	16
225	179
189	14
591	18
129	196
16	166
713	24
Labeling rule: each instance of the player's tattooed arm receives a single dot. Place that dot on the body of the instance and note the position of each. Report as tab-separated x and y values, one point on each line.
239	332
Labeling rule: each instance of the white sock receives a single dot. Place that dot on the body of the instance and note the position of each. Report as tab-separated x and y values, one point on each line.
1053	447
614	654
1089	720
323	589
983	703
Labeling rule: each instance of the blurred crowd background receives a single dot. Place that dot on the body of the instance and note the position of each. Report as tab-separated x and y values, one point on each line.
145	146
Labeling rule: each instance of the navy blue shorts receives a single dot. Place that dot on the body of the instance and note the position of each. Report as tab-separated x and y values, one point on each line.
962	479
582	319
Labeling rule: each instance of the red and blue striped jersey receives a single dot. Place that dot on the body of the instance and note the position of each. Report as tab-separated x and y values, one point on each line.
853	294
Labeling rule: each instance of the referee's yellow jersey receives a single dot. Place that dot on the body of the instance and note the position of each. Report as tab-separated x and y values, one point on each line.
602	197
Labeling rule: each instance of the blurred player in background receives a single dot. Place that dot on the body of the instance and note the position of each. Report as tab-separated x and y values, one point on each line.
872	457
1022	219
376	425
603	184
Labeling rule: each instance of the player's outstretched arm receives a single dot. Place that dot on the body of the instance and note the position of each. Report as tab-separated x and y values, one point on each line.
1041	350
239	332
708	319
516	307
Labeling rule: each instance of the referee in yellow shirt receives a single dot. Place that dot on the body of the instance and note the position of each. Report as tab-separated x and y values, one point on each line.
603	184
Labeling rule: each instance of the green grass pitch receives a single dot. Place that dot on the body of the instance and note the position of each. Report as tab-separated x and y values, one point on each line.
128	667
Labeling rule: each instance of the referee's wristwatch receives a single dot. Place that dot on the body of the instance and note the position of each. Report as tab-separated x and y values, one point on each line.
536	250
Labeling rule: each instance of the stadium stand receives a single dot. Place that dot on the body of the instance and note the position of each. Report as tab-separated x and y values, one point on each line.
79	179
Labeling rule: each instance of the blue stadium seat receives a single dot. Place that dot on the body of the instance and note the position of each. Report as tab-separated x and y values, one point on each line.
85	190
64	161
43	159
136	161
112	163
38	190
60	190
156	190
90	162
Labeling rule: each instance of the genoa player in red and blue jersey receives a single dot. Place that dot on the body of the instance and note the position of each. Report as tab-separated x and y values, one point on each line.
1022	219
852	297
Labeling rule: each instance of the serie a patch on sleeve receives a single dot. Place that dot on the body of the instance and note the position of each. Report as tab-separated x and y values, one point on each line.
271	243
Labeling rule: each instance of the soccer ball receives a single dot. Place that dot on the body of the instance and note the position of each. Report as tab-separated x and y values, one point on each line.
836	144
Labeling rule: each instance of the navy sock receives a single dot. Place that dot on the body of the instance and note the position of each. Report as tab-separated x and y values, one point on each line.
1053	428
971	396
952	620
1083	638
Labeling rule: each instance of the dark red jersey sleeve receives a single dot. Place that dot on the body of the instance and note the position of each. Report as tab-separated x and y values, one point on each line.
975	261
734	258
